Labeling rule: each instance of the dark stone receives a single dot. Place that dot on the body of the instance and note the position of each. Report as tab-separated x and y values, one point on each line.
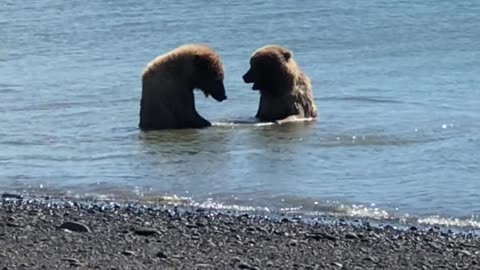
75	226
293	243
244	265
146	232
12	196
191	226
12	224
285	220
70	260
128	253
371	259
320	236
161	255
351	236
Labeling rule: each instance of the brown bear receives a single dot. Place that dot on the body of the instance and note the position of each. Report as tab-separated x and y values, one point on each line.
285	91
168	82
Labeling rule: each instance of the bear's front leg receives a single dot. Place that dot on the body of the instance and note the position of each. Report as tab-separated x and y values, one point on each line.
199	122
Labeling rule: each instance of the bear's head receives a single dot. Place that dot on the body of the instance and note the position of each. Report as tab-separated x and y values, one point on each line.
271	70
208	74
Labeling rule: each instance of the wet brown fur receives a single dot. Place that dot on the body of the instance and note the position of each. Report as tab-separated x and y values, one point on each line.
168	82
285	91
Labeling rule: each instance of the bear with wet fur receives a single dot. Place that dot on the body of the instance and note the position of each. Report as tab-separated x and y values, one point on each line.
285	91
168	82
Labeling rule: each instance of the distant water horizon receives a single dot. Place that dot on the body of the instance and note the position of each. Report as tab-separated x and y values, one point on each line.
396	85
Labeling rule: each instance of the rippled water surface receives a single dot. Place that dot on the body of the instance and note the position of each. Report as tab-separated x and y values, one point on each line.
396	83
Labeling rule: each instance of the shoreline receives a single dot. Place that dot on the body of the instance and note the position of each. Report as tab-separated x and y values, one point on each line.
38	234
445	224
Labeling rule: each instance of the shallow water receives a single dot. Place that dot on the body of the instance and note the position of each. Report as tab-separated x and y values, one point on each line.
396	84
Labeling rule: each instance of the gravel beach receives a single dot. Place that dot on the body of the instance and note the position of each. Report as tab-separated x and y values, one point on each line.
66	235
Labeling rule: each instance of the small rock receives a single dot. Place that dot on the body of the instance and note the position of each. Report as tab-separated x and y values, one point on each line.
244	265
75	227
191	226
351	236
371	259
465	252
12	224
293	243
146	232
161	255
337	264
128	253
70	260
12	196
413	228
200	224
319	236
260	229
199	266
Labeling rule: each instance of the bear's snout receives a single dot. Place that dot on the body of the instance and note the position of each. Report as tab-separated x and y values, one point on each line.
219	98
217	91
247	77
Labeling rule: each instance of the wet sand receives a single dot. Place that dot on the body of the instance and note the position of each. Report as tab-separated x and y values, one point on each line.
66	235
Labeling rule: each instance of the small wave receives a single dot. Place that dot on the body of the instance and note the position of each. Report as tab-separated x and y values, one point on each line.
365	99
450	222
371	140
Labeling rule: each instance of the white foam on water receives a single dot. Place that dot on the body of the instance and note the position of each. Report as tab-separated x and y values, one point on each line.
367	212
242	123
450	222
211	204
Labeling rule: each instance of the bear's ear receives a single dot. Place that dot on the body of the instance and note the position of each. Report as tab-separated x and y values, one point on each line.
287	54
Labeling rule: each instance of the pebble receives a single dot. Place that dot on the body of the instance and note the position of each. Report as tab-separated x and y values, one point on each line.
146	232
128	253
70	260
319	236
12	196
161	255
337	264
293	243
371	259
200	224
244	265
351	236
75	226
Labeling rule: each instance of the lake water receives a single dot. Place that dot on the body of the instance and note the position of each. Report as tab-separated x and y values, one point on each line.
396	84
